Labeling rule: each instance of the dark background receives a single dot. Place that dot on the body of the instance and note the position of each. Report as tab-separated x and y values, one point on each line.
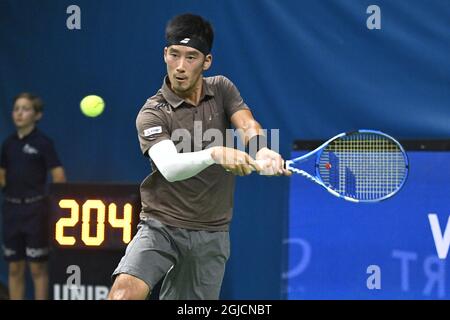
310	68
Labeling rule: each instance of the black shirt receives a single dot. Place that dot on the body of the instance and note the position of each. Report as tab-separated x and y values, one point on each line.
27	162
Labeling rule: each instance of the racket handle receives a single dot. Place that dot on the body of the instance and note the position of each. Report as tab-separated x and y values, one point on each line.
262	163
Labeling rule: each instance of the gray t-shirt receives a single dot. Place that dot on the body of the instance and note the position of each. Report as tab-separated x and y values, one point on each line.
205	201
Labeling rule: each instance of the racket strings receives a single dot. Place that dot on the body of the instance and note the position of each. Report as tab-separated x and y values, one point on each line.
363	166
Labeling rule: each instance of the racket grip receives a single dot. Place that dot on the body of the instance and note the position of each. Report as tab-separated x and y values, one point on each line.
263	163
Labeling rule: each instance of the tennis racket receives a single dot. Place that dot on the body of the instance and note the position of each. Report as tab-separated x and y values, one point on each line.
359	166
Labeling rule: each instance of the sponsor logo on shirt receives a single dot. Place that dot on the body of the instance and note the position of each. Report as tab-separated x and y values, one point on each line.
29	149
151	131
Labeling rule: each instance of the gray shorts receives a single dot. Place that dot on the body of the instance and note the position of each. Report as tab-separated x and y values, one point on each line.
192	262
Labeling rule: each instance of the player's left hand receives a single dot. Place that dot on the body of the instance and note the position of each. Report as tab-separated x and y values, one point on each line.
273	163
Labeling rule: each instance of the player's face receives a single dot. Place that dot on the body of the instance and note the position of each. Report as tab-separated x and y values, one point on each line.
184	67
23	113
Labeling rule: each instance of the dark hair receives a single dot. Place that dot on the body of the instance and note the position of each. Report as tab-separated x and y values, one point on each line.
190	25
38	104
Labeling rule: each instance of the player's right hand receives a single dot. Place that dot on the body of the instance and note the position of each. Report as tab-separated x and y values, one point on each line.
235	161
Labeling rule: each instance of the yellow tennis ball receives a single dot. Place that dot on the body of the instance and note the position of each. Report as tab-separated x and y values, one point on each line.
92	106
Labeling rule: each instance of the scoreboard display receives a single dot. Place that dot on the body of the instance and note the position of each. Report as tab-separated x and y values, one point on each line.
90	227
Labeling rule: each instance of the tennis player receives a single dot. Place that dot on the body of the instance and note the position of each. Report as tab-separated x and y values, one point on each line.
187	199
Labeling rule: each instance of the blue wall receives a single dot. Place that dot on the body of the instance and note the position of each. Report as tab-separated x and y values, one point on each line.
332	245
310	68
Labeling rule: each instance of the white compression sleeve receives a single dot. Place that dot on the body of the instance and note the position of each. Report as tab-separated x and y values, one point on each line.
176	166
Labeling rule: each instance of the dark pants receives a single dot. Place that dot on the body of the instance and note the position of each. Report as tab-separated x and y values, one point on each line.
25	231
